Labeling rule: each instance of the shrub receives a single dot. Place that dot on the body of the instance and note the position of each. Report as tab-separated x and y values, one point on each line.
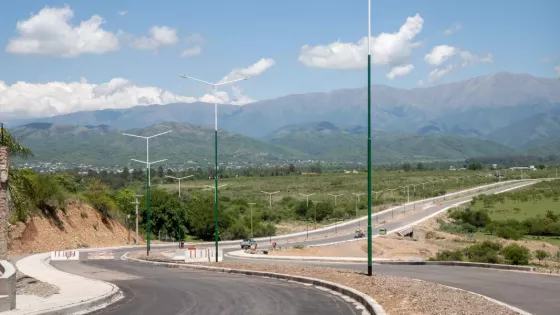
509	233
541	254
516	254
449	255
485	252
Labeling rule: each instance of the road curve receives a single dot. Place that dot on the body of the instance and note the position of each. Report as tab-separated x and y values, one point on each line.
157	290
534	293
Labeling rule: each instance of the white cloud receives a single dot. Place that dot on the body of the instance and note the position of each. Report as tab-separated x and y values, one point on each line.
253	70
123	13
50	33
400	71
46	99
25	99
392	49
191	51
436	74
460	59
159	36
439	54
557	69
194	45
452	29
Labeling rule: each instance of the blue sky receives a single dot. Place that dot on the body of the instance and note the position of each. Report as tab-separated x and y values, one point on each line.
498	35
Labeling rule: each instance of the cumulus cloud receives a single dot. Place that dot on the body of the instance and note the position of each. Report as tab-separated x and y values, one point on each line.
557	69
50	32
253	70
392	49
52	98
159	36
439	54
123	13
452	29
24	99
194	45
400	71
457	58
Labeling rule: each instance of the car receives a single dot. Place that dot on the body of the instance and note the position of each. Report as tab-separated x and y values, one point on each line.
247	243
359	233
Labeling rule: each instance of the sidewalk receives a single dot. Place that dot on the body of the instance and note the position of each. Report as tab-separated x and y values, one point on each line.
76	294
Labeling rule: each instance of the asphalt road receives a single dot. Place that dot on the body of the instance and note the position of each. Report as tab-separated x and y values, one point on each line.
157	290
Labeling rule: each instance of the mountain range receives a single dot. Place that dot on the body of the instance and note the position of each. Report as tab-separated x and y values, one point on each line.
516	112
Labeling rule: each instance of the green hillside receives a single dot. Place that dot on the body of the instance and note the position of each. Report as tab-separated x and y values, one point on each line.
102	145
329	142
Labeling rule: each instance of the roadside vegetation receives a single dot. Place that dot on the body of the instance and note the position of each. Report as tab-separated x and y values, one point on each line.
528	214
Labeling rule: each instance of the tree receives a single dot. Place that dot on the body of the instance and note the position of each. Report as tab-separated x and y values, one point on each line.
98	196
406	167
324	210
292	168
160	172
420	166
125	174
541	254
516	254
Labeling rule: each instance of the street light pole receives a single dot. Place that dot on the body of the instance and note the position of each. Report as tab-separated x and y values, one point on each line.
307	198
369	188
335	198
148	183
179	179
215	90
357	201
251	204
270	209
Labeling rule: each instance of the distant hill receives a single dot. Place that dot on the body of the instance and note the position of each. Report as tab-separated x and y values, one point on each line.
326	141
102	145
194	145
550	148
477	107
529	132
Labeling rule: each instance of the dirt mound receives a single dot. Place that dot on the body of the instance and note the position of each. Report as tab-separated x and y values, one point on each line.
81	227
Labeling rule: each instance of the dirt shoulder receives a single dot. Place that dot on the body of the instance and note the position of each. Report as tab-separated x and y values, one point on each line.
397	295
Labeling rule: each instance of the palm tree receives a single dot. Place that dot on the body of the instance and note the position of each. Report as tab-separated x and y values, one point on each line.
16	190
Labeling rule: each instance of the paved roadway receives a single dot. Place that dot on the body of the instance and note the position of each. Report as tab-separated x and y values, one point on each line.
538	294
156	290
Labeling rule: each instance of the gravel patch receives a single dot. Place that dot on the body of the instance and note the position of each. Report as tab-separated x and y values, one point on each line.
397	295
26	285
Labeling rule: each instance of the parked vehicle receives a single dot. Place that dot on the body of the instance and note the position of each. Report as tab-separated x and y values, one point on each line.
247	243
359	233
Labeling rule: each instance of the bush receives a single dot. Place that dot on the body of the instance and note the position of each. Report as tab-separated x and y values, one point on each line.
449	255
516	254
541	254
485	252
509	233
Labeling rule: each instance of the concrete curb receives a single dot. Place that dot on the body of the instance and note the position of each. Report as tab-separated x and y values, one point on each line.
80	307
368	302
381	261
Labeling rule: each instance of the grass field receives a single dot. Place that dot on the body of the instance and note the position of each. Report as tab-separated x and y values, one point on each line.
512	209
390	187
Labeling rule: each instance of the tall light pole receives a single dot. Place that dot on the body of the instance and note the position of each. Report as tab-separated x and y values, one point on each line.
369	188
137	203
148	182
270	208
307	198
215	90
407	190
251	204
335	198
179	179
357	201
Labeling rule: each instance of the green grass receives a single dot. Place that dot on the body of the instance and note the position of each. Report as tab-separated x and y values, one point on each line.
483	236
520	210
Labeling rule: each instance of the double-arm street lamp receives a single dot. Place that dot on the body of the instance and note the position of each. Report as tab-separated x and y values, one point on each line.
148	182
179	179
215	90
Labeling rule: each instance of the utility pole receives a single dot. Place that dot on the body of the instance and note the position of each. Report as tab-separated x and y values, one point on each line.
357	201
137	203
148	183
270	210
215	90
251	204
